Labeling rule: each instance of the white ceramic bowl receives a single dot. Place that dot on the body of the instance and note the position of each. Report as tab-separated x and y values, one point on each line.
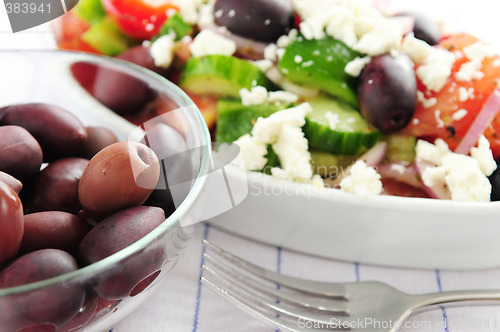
384	230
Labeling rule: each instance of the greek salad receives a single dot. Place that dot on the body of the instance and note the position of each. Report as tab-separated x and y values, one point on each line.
344	94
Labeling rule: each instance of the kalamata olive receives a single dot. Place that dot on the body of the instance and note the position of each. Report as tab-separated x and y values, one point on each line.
141	56
387	92
264	20
84	315
11	223
54	305
121	92
52	229
11	181
20	154
56	187
425	28
114	233
59	132
495	183
97	139
121	175
174	155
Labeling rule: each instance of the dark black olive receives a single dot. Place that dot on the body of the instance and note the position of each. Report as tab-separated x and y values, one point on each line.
425	28
495	183
263	20
387	92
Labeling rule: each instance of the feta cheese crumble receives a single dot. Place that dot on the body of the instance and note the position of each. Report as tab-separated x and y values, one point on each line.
362	180
283	130
465	177
259	95
162	50
436	68
208	42
252	153
357	65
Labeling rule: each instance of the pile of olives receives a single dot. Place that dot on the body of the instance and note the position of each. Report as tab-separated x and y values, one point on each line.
70	195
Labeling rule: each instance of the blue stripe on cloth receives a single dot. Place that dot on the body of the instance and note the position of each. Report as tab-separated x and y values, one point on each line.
278	269
445	317
356	271
198	293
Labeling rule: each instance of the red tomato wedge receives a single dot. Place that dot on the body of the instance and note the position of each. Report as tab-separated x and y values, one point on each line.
452	115
139	19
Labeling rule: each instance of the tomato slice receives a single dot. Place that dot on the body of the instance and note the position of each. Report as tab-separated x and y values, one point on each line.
139	19
68	30
453	113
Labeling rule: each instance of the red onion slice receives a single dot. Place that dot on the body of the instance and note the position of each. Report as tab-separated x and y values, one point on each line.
372	157
437	191
407	174
481	122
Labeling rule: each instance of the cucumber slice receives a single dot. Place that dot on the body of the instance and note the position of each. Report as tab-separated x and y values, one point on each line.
106	37
235	119
400	147
176	24
351	135
330	165
221	75
320	63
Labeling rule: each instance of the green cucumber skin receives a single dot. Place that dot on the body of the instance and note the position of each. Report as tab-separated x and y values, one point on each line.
235	120
344	143
221	75
327	164
176	24
352	135
106	37
328	58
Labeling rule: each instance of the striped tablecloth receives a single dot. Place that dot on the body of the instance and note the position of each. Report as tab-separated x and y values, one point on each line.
183	304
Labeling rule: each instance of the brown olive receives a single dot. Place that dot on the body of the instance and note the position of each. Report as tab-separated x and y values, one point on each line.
121	175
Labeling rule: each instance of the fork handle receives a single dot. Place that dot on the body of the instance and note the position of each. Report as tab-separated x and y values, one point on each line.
424	300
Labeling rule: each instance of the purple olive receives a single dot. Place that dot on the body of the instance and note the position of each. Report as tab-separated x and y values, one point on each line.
59	132
52	229
141	56
41	308
114	233
387	92
20	154
425	28
263	20
175	164
11	181
56	187
97	139
121	92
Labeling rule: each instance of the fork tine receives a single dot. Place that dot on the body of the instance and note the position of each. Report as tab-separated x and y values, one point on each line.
330	306
314	287
274	320
295	313
278	319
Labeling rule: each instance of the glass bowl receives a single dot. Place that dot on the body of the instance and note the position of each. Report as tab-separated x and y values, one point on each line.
76	81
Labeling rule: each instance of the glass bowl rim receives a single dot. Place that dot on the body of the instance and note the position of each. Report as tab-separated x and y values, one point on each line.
143	74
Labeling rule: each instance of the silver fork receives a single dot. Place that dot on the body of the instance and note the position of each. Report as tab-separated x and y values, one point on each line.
303	305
